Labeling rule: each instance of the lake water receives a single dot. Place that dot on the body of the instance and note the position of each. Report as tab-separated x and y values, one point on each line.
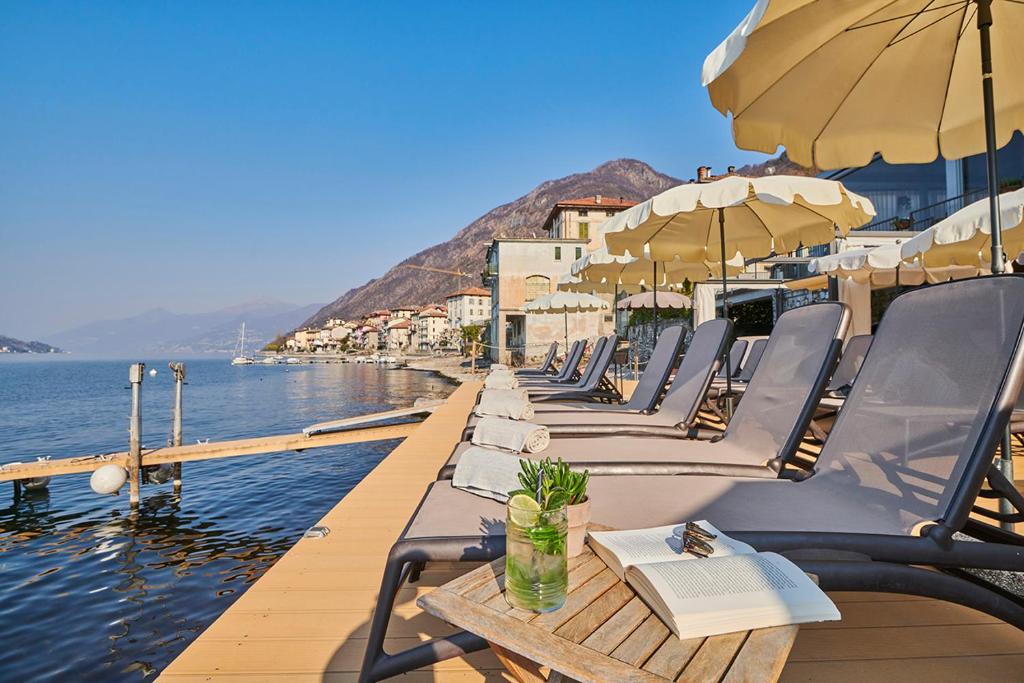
90	592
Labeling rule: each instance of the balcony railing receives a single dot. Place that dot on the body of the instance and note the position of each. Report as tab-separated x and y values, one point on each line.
926	216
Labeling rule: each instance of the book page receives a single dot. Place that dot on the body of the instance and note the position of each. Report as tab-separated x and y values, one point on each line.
658	544
725	594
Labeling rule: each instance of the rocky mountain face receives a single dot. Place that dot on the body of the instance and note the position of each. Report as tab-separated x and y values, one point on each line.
466	251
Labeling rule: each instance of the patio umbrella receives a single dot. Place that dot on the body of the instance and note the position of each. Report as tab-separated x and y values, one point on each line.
566	303
883	266
754	216
910	79
965	238
625	270
646	300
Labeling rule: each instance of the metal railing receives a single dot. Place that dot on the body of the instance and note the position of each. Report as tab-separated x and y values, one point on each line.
926	216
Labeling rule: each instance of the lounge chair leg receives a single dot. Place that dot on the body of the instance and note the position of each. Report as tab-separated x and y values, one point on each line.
389	586
415	570
894	578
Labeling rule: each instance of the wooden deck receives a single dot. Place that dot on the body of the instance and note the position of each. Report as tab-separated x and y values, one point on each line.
306	619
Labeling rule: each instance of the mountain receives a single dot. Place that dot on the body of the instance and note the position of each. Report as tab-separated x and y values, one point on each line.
780	165
12	345
162	332
466	251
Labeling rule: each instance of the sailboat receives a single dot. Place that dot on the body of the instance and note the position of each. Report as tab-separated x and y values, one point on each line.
240	357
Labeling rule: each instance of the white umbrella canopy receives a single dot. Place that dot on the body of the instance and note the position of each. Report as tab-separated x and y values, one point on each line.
898	77
757	216
566	302
883	266
645	300
965	238
623	269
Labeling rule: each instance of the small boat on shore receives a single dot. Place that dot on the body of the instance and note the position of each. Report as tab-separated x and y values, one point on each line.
240	357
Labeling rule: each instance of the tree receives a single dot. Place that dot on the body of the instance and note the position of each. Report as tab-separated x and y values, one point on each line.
470	334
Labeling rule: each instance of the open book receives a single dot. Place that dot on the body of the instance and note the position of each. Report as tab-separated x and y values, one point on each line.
735	589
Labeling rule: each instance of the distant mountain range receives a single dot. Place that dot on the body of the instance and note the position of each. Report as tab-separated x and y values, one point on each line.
627	178
12	345
163	332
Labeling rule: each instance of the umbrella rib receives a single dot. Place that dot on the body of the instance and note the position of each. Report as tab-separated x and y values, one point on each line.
800	61
853	87
927	26
949	78
912	15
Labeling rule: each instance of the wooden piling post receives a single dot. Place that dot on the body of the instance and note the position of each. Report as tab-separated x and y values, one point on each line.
135	374
472	356
179	381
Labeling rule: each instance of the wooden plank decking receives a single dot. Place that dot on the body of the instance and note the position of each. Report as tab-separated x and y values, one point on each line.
306	619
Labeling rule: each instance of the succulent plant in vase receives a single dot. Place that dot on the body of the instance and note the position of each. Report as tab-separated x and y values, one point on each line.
558	485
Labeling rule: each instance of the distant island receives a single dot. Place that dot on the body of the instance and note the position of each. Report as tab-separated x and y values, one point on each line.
12	345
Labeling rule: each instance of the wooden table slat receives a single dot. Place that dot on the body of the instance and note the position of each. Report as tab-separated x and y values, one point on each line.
611	634
762	646
595	614
673	657
643	642
714	658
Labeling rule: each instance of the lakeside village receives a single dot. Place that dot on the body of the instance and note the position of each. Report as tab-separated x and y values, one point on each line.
569	248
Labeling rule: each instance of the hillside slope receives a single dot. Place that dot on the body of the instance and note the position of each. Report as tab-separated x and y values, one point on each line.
627	178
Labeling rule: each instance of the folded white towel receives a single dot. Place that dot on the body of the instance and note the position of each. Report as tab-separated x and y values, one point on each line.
519	392
504	403
521	437
498	366
488	473
501	381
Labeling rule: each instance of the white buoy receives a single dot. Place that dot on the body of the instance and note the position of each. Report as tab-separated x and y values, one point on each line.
152	373
108	479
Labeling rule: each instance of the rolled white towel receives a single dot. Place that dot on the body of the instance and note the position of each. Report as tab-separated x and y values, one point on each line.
521	437
518	392
498	366
488	473
504	403
501	381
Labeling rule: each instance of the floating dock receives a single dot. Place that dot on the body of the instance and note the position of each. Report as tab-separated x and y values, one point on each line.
306	619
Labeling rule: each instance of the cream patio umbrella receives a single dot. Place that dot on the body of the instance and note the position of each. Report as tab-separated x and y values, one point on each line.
627	272
883	266
753	216
909	79
646	300
566	303
965	238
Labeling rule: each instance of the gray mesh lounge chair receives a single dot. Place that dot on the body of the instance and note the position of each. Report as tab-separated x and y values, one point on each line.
649	390
761	439
849	365
895	482
570	369
754	352
592	386
736	354
546	368
681	402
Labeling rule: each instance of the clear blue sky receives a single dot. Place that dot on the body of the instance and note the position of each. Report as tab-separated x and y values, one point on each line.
195	155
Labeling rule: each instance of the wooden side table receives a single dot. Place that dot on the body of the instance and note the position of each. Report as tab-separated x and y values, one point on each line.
604	633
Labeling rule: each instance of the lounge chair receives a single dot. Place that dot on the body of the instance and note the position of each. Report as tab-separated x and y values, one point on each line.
764	434
649	389
594	385
680	404
849	365
737	352
894	485
739	383
570	369
547	367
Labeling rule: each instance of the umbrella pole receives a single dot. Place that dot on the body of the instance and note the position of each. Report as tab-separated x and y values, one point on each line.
565	313
725	314
654	283
1005	460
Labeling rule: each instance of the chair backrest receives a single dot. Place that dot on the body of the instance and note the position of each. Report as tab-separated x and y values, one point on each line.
549	359
916	435
652	382
599	361
757	348
695	373
849	363
781	397
572	360
736	353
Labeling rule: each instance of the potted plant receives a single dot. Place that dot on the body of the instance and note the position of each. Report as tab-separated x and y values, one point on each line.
558	485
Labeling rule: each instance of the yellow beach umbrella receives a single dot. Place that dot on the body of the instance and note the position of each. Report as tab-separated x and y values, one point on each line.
883	266
566	303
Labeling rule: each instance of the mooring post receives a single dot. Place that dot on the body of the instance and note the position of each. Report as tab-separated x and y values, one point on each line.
179	380
472	359
135	374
